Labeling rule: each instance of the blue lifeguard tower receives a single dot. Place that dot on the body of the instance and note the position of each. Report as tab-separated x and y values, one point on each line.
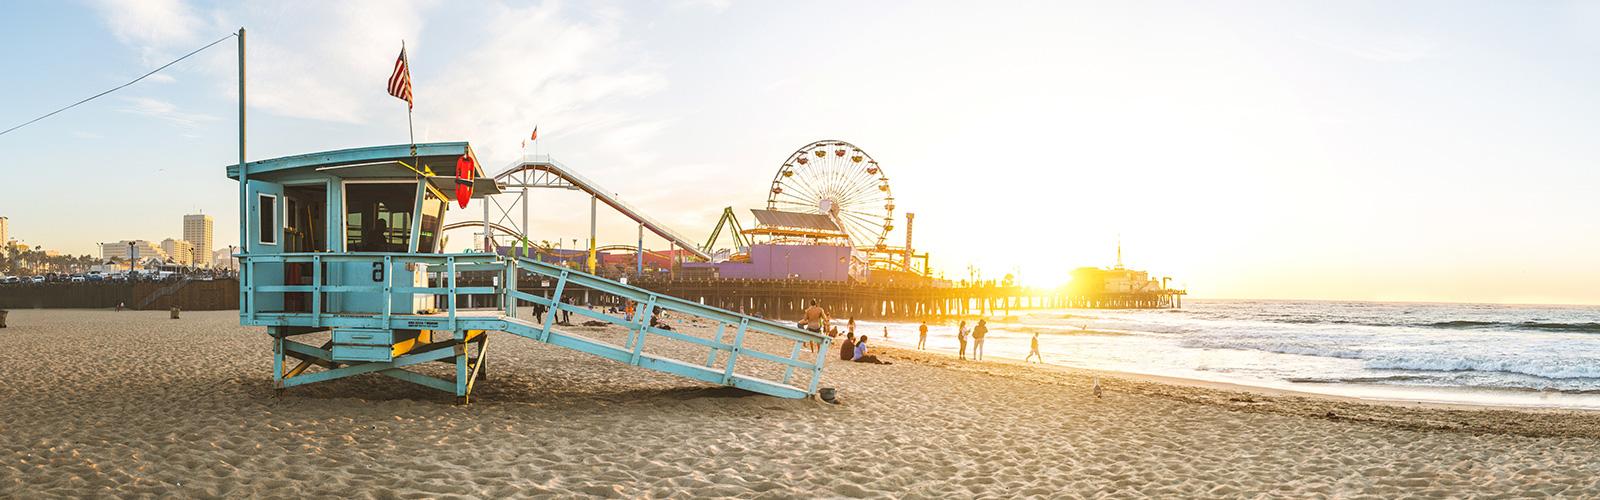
348	244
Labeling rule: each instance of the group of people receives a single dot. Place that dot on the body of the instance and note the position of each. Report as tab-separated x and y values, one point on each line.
854	347
977	333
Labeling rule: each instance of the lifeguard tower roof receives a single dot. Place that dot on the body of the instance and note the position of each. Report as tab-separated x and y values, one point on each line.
437	160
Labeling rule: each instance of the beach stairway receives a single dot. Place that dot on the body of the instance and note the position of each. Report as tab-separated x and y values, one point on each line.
733	340
736	351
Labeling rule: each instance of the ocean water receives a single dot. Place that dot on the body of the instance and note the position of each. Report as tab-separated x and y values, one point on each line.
1450	353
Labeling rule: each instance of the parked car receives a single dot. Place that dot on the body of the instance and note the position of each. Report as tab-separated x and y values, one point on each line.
79	279
37	279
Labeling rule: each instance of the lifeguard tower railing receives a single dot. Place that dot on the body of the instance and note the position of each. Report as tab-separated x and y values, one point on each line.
725	361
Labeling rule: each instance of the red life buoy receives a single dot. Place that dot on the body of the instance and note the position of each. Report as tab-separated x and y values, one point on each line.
464	173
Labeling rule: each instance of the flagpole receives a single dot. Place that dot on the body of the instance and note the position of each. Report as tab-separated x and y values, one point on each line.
410	130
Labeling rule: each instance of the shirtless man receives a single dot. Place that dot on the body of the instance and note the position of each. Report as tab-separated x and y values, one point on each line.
814	321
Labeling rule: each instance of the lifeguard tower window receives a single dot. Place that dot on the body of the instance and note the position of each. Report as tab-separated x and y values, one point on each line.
268	219
378	216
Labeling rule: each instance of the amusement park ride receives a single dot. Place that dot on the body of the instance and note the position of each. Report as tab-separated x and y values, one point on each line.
826	197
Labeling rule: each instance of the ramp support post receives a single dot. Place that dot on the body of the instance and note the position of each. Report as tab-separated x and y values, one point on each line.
733	353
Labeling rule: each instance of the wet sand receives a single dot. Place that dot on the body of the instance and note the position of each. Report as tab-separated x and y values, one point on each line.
101	403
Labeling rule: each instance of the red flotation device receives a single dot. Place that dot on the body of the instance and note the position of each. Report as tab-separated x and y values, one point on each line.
464	172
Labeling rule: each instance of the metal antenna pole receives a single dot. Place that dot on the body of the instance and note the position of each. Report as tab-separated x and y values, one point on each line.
244	180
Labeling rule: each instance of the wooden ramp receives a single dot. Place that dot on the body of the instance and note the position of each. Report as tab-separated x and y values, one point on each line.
388	343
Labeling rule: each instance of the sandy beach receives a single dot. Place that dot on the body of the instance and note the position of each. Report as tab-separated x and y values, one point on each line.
101	403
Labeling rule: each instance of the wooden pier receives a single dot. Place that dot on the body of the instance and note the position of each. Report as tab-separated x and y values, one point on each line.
785	299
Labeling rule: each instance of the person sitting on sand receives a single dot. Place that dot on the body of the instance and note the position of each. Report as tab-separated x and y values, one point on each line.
847	349
961	336
977	339
1034	350
922	336
862	356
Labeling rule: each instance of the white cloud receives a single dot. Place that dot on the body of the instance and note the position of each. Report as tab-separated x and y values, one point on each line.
330	62
715	6
1375	47
539	66
156	108
152	26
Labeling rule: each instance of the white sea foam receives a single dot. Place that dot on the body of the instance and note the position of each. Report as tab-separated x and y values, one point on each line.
1321	343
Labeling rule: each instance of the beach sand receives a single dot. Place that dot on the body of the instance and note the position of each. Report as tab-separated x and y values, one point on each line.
101	403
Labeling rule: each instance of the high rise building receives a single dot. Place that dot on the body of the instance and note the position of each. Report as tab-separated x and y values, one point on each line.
180	252
142	250
197	230
5	230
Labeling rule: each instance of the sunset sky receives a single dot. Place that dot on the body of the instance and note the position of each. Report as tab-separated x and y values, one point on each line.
1427	151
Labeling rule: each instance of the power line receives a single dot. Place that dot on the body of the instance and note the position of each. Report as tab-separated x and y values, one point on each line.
119	87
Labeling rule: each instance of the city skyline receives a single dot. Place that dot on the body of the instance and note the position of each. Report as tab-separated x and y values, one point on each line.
1288	151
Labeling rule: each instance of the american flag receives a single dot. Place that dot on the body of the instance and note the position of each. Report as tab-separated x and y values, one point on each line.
400	81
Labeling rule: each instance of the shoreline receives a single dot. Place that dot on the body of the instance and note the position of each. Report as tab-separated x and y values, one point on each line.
1261	390
1416	415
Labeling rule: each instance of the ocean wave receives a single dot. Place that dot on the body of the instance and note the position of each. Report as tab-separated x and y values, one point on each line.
1523	325
1388	379
1302	349
1431	381
1538	326
1557	369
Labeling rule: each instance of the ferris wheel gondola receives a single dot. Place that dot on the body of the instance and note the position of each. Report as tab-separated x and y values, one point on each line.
839	180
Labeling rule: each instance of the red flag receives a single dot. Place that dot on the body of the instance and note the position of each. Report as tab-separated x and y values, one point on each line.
464	174
535	135
400	81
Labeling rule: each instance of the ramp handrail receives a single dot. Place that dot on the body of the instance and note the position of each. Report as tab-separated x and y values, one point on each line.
641	328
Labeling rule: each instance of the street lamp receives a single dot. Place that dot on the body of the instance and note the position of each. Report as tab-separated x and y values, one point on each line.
130	257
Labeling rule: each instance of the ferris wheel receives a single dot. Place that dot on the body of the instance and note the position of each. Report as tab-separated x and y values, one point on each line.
839	180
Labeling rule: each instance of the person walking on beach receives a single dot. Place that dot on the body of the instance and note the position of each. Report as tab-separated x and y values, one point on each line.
977	339
961	336
851	326
922	336
1034	350
813	322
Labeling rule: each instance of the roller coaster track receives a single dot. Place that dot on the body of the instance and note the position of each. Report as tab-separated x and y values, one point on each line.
544	172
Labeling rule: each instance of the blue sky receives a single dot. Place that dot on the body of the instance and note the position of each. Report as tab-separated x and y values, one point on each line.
1357	150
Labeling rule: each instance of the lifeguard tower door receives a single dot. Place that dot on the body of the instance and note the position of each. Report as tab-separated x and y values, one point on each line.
265	228
305	230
